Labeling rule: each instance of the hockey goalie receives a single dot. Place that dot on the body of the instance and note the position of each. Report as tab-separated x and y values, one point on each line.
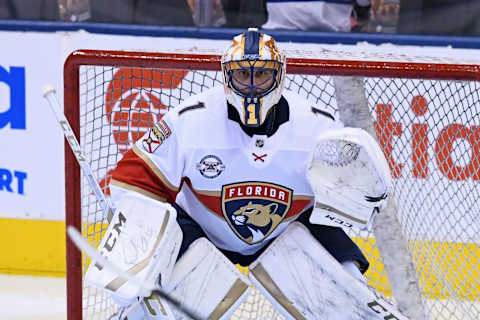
245	174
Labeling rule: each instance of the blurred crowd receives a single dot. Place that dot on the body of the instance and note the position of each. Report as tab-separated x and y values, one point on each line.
432	17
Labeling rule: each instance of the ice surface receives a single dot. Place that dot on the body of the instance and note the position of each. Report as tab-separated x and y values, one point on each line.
29	297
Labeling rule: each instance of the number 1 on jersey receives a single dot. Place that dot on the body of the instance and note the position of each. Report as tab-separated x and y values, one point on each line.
252	116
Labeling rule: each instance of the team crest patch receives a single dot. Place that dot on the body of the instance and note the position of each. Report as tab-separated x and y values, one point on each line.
254	209
210	166
156	135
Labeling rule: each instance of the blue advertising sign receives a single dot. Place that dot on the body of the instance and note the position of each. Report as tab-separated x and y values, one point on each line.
15	112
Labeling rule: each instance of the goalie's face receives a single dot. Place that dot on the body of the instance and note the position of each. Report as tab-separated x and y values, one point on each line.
253	79
253	69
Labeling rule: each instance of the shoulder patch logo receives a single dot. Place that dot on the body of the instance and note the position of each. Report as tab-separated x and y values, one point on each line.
254	209
210	166
156	135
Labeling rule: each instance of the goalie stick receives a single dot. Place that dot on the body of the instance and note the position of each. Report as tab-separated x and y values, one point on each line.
49	93
90	251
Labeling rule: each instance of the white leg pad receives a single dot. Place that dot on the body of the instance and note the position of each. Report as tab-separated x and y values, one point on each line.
207	282
303	281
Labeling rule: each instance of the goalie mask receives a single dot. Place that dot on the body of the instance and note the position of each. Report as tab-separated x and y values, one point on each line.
253	69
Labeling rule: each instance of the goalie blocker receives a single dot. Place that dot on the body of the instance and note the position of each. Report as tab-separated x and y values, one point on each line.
350	178
143	239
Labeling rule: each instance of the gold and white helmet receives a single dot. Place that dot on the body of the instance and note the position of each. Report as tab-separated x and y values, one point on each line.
254	71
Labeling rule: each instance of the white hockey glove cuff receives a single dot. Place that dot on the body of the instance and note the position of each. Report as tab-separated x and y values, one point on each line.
143	240
349	176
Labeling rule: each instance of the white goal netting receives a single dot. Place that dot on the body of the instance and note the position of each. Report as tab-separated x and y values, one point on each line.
429	131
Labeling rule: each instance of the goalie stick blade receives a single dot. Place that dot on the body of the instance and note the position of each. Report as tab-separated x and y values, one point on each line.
90	251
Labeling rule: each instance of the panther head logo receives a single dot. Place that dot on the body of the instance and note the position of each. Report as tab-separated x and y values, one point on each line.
255	209
256	214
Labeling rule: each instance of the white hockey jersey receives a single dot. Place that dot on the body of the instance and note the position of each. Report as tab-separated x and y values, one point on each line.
242	190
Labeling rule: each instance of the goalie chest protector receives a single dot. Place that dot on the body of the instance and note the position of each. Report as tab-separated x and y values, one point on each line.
242	190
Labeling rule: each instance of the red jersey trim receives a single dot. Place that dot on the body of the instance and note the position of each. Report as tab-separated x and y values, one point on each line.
151	165
137	172
142	191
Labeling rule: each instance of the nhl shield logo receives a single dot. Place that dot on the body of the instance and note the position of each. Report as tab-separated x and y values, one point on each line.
254	209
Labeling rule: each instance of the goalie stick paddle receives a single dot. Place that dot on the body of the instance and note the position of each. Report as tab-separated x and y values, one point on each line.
90	251
48	93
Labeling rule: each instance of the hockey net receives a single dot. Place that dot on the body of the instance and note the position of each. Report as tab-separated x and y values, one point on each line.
426	117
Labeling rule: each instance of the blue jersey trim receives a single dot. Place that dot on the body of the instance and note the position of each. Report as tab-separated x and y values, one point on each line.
199	105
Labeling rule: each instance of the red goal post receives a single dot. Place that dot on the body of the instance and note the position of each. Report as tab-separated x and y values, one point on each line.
422	153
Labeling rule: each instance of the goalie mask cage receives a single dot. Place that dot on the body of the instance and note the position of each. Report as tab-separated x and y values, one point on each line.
426	116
